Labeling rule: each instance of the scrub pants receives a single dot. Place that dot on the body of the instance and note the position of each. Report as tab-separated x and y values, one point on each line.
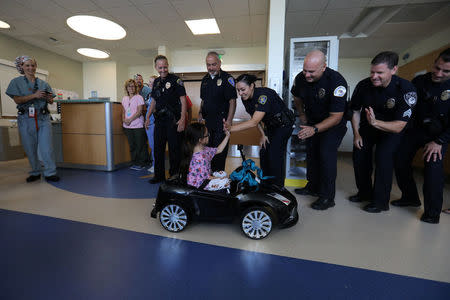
273	156
321	160
34	141
150	136
433	185
216	136
385	144
166	132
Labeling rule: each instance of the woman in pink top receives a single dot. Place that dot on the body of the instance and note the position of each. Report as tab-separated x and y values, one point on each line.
196	164
133	125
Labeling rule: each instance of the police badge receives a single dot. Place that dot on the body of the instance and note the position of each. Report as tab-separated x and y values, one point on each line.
321	93
219	82
445	95
167	85
390	103
180	82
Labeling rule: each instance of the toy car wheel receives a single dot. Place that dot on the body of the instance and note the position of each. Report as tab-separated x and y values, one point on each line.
173	217
256	223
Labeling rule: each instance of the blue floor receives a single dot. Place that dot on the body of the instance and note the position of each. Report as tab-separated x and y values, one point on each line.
49	258
123	183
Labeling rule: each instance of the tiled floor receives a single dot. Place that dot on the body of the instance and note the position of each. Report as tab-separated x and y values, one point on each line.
344	237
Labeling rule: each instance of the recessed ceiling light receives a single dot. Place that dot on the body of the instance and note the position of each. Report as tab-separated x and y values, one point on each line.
4	25
96	27
203	26
94	53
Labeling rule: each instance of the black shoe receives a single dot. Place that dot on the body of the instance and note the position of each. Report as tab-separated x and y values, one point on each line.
53	178
32	178
358	198
155	180
305	192
322	204
402	203
429	219
373	208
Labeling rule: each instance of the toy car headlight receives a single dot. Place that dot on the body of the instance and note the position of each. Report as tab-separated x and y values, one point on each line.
281	198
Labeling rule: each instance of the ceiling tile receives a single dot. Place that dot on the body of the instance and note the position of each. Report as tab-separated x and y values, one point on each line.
112	3
222	8
79	6
295	5
336	4
193	9
160	12
386	2
259	7
128	16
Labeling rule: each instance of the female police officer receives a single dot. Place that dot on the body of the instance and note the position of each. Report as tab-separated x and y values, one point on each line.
169	109
32	95
264	104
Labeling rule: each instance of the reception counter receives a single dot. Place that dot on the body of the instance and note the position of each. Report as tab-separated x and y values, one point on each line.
92	135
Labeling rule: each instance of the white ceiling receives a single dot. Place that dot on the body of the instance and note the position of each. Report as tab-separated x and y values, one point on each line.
243	23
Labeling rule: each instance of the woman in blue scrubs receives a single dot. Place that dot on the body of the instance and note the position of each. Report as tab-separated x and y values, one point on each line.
31	95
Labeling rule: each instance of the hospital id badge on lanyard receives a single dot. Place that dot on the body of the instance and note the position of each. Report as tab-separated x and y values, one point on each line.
31	111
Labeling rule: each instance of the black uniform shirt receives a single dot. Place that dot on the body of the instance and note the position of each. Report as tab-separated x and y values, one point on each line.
265	100
328	94
391	103
216	95
433	103
167	93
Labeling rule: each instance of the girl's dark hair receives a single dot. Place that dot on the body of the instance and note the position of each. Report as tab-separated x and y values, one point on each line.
247	78
193	133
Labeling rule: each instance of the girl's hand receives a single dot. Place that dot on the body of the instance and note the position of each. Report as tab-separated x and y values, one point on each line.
263	140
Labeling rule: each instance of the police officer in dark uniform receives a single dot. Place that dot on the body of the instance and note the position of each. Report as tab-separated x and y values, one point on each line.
320	95
382	105
264	105
169	109
430	129
218	94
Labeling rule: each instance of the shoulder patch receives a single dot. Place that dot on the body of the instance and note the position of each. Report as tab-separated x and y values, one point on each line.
262	99
410	98
231	81
340	91
407	113
180	82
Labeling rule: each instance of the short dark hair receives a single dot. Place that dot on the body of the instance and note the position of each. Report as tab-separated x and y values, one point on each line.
159	57
444	55
389	58
247	78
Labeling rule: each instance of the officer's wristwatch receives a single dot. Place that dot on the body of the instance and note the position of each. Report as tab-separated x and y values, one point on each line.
316	130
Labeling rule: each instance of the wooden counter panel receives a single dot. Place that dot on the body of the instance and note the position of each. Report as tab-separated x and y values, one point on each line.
83	118
247	137
84	149
121	149
117	127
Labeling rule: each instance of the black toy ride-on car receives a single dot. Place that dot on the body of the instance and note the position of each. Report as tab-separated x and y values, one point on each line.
259	204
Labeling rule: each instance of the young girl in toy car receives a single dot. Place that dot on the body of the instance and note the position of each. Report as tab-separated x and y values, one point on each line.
195	166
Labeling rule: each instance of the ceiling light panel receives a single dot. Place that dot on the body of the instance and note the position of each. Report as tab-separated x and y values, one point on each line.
96	27
4	25
94	53
203	26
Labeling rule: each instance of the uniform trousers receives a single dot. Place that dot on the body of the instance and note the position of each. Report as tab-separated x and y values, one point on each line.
34	141
433	185
137	140
385	144
273	156
166	132
321	160
216	136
